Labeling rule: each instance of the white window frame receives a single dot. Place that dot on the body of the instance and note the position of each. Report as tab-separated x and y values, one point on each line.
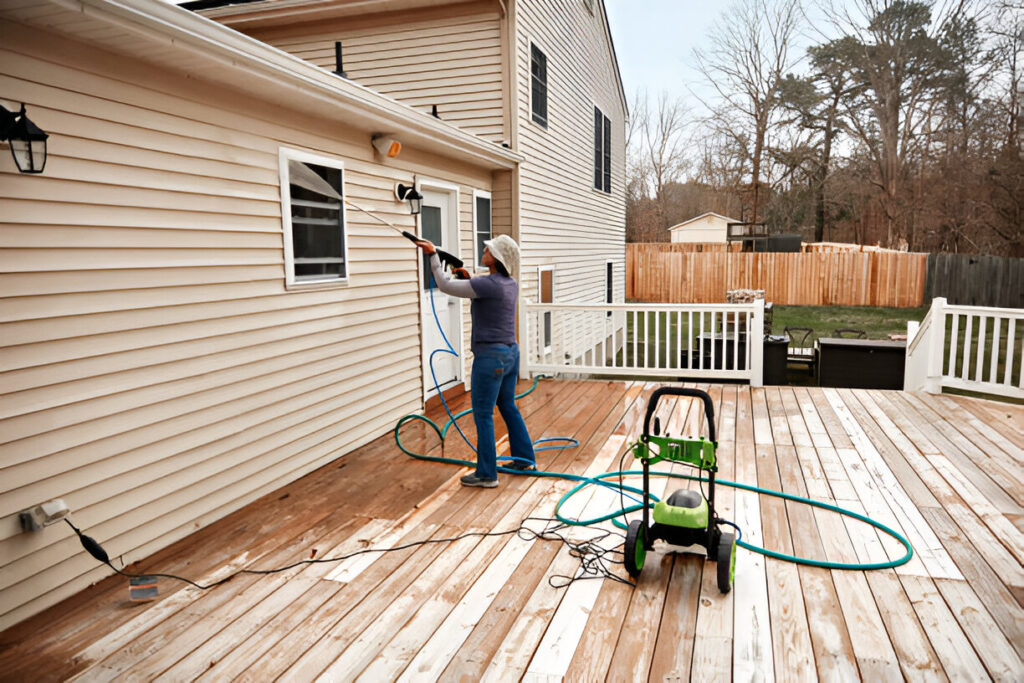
545	320
284	155
483	194
547	83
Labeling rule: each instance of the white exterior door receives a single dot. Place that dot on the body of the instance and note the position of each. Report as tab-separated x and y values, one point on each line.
439	224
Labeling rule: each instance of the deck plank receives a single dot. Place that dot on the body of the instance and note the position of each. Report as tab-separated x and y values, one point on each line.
791	642
949	469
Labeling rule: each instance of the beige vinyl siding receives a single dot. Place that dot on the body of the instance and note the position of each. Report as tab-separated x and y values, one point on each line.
564	221
154	372
453	62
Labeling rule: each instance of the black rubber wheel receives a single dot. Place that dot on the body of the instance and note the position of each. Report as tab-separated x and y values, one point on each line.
635	550
726	561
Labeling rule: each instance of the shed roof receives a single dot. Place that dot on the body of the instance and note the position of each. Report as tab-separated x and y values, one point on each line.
678	226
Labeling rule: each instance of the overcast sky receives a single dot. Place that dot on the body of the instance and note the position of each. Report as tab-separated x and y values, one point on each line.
654	42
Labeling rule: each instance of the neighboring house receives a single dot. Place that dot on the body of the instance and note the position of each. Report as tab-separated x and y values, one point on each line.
191	318
708	227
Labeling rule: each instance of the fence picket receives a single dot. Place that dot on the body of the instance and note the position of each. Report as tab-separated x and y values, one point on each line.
676	273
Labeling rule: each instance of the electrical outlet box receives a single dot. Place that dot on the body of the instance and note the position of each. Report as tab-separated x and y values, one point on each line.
47	513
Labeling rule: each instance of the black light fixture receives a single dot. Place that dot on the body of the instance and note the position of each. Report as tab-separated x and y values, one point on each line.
26	139
408	193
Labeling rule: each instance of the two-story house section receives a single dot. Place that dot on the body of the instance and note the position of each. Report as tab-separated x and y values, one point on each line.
539	76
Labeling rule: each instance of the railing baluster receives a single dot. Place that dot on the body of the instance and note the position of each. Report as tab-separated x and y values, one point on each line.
993	370
966	364
714	339
700	342
635	333
980	362
952	342
1011	326
657	339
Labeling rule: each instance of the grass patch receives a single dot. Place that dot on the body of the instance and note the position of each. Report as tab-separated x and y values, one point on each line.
878	323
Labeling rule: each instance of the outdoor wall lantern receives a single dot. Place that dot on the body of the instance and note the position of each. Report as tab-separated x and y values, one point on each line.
26	139
408	193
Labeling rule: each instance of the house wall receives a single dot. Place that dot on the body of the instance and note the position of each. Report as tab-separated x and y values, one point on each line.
420	58
563	220
155	373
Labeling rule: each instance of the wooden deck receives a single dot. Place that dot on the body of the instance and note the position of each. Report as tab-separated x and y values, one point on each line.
947	472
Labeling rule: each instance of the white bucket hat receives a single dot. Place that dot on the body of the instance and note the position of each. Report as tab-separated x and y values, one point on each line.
505	249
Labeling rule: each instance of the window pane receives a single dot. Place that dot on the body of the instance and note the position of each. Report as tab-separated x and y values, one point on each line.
609	293
607	155
318	230
430	224
538	85
483	225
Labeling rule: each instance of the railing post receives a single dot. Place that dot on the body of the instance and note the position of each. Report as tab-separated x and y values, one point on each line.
755	343
936	345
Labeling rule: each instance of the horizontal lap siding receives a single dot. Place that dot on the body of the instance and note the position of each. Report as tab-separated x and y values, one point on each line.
564	221
453	62
154	372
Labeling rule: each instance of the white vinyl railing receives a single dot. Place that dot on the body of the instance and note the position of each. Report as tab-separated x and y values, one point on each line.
974	348
698	341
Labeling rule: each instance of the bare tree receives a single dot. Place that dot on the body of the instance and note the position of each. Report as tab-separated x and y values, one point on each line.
751	53
657	142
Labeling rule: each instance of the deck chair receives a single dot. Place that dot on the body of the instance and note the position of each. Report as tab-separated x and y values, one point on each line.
849	333
801	346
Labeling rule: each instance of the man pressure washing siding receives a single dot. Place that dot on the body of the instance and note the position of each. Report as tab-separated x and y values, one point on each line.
495	354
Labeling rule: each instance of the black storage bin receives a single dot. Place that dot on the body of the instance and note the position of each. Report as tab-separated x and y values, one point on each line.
775	360
861	363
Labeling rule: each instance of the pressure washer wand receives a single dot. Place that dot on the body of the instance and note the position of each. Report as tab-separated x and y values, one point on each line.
451	260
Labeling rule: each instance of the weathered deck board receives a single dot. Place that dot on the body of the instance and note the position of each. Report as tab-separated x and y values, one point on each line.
947	471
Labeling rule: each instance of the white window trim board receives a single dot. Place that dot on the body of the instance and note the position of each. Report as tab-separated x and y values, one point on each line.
286	154
486	195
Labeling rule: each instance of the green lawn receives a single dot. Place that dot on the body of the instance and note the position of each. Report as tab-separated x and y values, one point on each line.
878	323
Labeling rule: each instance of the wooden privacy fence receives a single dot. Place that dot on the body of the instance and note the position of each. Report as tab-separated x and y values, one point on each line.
850	278
976	280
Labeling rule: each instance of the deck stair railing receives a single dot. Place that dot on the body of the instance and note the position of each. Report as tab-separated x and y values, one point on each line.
693	341
972	348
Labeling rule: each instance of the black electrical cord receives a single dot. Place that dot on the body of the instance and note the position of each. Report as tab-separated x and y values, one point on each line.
593	557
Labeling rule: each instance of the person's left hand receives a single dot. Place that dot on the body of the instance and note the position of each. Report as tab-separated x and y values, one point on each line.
427	246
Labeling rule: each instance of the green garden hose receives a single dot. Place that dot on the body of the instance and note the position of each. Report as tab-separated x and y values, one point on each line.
583	482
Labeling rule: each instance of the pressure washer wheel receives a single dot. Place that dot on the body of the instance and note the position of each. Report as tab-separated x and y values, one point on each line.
726	561
635	550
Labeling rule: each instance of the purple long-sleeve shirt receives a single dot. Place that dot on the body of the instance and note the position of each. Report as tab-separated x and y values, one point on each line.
492	306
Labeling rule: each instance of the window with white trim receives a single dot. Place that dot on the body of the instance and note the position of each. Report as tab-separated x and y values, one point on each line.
481	223
538	85
602	152
546	295
313	218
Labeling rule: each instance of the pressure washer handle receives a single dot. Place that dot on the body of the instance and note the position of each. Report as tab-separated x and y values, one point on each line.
709	406
454	262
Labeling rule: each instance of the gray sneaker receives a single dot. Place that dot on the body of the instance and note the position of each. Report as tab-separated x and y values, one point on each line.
473	480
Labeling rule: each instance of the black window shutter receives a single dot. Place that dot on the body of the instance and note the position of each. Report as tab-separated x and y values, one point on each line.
598	148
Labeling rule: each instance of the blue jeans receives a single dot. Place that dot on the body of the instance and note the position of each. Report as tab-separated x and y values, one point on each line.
493	382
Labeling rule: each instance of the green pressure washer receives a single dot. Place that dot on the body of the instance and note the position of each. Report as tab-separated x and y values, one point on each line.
686	517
